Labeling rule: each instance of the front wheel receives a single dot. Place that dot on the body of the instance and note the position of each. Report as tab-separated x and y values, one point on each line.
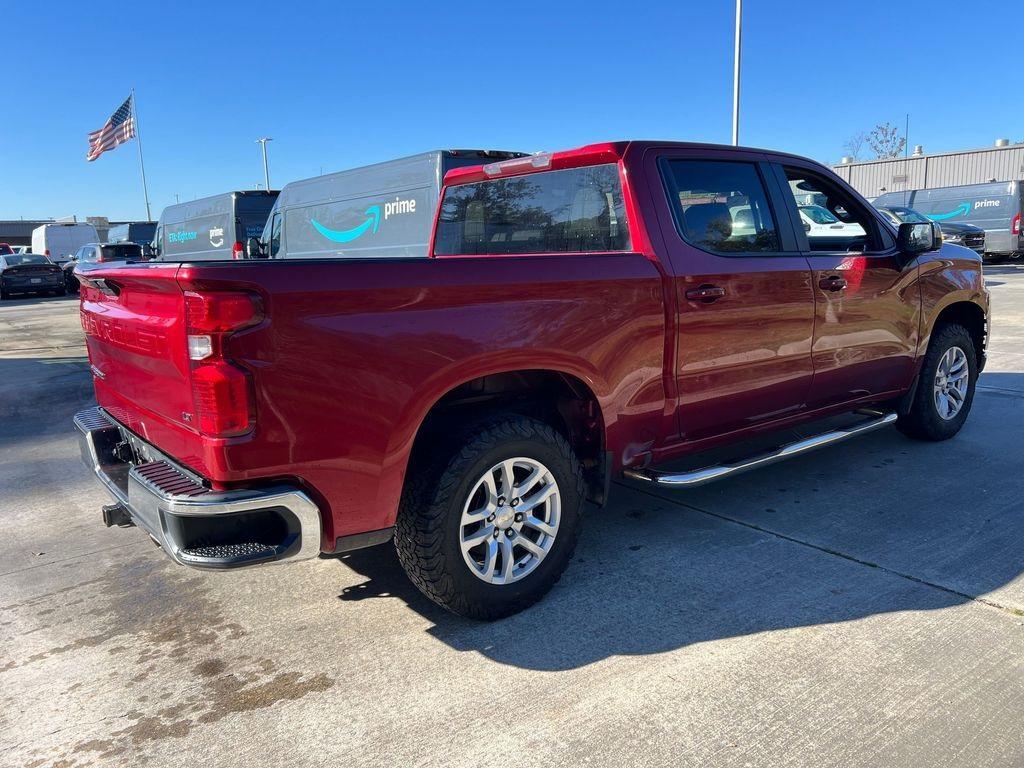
945	388
487	531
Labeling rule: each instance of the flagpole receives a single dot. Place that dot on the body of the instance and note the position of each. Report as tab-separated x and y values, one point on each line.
142	165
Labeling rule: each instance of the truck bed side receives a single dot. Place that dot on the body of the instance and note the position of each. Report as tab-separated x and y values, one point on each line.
353	354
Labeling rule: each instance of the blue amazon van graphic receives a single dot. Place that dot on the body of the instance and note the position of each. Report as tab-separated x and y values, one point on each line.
995	207
376	211
348	235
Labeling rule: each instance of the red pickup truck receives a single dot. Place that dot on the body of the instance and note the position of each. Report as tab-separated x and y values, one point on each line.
582	315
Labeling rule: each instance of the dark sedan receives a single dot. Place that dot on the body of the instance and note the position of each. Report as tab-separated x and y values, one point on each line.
29	273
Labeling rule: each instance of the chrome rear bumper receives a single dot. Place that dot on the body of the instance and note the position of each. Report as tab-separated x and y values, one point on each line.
194	525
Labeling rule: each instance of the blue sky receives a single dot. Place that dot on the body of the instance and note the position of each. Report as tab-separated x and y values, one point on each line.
339	85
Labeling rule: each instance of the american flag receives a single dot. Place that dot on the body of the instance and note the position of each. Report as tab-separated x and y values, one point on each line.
117	130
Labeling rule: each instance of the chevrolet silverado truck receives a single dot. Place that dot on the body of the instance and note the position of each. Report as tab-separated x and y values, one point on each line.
580	316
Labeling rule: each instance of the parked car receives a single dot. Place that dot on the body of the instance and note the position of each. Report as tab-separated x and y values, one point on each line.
821	222
29	273
6	249
581	316
214	227
994	207
384	210
20	249
967	235
58	242
139	232
98	253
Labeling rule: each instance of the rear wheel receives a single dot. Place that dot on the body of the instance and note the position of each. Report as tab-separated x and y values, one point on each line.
945	388
488	529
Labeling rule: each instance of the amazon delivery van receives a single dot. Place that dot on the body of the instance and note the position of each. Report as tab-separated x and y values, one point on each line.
376	211
213	227
995	207
59	242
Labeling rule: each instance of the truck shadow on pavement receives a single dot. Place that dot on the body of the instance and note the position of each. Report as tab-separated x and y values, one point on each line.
880	525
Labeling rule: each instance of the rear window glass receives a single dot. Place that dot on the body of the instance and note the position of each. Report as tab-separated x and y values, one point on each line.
15	260
575	210
121	251
252	213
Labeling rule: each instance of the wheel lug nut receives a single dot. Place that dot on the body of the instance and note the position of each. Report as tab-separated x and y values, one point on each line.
490	518
519	518
510	533
496	534
515	501
501	501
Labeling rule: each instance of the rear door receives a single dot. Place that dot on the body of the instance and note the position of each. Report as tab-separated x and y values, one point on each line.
743	291
866	297
251	213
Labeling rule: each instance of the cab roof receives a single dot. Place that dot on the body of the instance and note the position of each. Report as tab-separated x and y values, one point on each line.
590	154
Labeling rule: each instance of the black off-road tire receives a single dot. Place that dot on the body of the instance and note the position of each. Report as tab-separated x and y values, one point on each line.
427	530
922	421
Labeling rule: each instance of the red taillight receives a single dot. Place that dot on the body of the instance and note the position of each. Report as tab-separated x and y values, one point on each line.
1015	225
223	400
221	391
237	251
223	311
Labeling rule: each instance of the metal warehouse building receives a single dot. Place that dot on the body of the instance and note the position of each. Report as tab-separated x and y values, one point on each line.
1002	162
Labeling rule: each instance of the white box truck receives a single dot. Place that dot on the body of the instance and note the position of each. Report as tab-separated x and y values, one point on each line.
59	242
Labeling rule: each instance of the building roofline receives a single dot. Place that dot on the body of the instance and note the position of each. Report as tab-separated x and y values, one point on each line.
879	160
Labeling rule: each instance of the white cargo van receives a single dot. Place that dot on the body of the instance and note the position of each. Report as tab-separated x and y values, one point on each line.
61	241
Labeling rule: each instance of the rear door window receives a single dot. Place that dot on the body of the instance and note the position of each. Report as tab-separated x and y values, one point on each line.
577	210
721	206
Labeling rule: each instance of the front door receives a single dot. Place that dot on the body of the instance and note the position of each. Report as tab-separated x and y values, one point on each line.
743	292
866	295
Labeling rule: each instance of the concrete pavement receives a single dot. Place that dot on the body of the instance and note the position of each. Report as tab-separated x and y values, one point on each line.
861	606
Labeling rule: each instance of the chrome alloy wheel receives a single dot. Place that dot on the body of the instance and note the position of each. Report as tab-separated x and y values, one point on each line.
951	379
510	520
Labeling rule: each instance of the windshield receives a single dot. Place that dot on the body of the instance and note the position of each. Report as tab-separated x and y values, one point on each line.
818	215
16	260
909	215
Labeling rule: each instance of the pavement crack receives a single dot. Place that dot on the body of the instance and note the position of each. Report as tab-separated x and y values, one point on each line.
988	602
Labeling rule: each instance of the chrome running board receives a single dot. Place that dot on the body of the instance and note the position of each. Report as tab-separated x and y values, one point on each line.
697	477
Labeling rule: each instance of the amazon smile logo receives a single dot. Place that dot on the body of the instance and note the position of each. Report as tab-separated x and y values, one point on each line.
371	224
348	235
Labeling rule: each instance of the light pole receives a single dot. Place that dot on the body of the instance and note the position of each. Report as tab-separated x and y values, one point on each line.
266	169
736	75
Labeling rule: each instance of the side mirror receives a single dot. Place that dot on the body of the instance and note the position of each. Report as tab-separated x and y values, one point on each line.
73	257
147	251
919	238
253	248
807	227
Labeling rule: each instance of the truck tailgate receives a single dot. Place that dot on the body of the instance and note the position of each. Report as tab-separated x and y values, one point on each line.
134	322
